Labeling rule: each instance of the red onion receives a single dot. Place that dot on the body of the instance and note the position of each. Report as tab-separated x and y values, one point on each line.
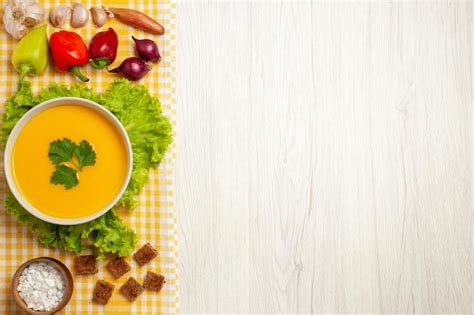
147	49
132	68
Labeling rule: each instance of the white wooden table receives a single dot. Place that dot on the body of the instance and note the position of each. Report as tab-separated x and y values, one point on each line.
324	158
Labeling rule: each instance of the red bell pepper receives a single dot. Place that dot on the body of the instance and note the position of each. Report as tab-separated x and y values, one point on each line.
103	49
69	53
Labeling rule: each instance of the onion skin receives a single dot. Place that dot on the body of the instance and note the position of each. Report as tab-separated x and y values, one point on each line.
147	49
138	20
132	68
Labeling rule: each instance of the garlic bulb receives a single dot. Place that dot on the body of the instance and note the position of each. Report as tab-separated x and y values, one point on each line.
20	14
59	15
99	16
80	15
34	14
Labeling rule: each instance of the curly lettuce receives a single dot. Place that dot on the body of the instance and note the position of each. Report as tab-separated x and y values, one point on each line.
150	133
108	234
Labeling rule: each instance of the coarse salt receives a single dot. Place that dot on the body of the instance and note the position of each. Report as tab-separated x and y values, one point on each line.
41	286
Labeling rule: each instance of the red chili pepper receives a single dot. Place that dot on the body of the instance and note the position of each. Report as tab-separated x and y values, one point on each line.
69	53
103	49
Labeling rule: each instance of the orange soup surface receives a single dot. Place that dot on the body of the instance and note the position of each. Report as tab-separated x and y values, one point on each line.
98	184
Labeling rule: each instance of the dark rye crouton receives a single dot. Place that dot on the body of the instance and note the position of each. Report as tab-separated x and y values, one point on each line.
145	254
131	289
102	292
118	267
85	265
153	281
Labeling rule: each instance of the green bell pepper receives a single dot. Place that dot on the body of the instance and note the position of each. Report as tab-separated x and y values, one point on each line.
30	56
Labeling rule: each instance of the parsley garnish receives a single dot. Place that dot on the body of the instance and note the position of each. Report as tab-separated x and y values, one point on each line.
61	151
85	154
64	175
69	159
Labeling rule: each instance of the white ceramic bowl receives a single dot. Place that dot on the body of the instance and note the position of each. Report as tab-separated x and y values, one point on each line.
16	131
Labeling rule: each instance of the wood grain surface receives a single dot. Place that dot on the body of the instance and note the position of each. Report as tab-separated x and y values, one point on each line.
324	156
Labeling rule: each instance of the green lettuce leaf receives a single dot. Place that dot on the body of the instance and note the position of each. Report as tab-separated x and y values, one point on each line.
150	133
46	232
16	107
107	233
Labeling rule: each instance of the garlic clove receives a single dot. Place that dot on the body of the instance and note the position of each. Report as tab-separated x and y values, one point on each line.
15	3
34	14
59	15
13	18
16	30
109	13
80	15
99	16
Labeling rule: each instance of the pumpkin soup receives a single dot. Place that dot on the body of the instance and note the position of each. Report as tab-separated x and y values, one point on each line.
98	184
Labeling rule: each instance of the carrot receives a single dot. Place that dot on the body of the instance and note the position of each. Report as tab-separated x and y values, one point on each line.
138	20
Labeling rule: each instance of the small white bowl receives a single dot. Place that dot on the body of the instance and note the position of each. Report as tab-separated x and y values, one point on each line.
16	131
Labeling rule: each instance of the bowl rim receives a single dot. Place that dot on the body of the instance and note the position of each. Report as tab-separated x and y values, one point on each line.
19	127
63	269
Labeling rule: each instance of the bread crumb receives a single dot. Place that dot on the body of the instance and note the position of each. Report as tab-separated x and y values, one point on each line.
145	254
118	267
102	292
131	289
153	281
85	265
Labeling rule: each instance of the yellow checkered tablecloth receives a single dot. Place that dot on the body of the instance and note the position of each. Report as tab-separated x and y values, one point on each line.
154	220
